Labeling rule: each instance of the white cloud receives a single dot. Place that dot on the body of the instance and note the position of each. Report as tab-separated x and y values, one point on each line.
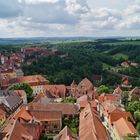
68	17
130	23
134	9
38	1
77	6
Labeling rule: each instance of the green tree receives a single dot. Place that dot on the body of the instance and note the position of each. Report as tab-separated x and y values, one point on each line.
133	106
138	127
125	99
27	88
137	115
103	89
134	98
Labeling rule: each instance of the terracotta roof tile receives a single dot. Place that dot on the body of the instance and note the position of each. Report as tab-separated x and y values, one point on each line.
46	115
23	113
82	98
124	127
65	134
114	116
18	132
66	109
118	91
86	83
58	91
109	97
85	103
32	80
91	125
21	93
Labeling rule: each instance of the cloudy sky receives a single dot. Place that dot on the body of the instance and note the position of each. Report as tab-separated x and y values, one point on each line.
35	18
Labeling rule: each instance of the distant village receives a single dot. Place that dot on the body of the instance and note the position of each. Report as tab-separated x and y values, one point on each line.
59	112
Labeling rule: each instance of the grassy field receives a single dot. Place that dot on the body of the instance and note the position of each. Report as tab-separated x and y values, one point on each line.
120	55
106	66
71	41
124	43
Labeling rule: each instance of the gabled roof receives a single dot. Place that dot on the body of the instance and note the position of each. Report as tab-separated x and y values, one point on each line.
83	104
18	132
10	98
86	83
114	116
73	84
46	115
34	129
91	125
21	93
108	97
118	91
124	127
66	134
82	98
135	91
66	109
38	97
56	91
108	107
33	80
23	114
39	115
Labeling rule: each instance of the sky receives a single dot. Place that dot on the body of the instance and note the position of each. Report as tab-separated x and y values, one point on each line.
60	18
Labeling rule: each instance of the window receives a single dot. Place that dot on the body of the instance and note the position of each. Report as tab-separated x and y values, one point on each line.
55	126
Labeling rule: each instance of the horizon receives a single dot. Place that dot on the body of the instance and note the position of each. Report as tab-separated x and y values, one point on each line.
104	37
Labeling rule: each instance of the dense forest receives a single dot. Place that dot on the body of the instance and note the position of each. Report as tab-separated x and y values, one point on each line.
85	59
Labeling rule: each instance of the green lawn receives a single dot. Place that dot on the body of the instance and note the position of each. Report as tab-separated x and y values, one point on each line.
124	43
71	41
106	66
120	55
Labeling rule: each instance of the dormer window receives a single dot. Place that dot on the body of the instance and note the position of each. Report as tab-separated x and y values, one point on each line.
86	114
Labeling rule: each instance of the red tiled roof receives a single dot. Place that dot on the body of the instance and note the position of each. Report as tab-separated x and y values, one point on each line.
87	83
66	134
83	104
109	97
38	97
46	115
23	113
18	132
108	107
91	125
66	109
40	115
58	91
118	91
33	80
21	93
114	116
35	129
124	127
82	98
